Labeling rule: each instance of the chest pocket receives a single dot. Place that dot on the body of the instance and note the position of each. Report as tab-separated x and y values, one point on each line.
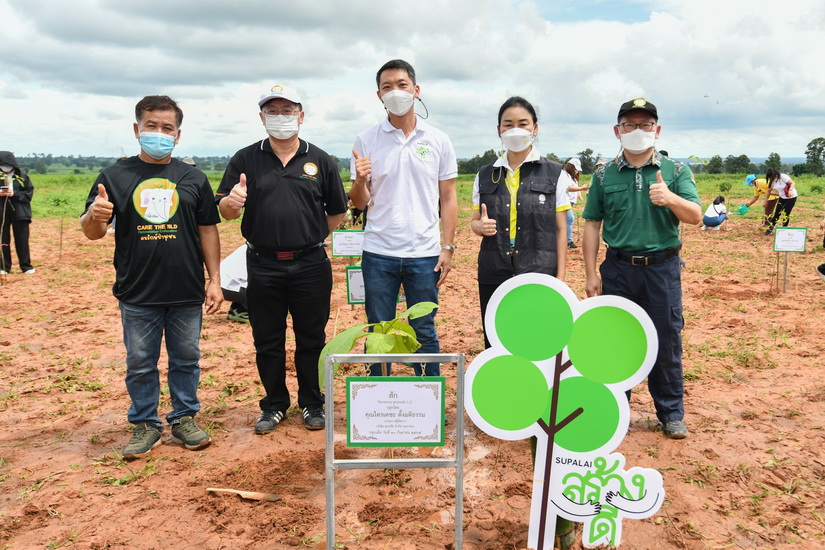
615	196
539	194
488	187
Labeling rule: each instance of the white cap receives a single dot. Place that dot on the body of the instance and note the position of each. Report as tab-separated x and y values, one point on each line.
279	92
576	163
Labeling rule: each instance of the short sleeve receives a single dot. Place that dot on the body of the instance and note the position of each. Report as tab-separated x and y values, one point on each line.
448	166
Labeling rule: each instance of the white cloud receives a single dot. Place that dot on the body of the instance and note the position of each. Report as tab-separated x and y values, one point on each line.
728	77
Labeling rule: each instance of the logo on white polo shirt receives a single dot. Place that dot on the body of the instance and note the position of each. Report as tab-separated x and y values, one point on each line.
423	150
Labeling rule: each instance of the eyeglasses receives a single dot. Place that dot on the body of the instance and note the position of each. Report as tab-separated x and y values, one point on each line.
629	126
283	112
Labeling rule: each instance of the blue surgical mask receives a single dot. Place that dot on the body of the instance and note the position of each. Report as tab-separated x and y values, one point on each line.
157	144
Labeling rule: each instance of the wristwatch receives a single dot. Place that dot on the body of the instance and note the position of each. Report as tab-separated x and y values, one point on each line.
449	247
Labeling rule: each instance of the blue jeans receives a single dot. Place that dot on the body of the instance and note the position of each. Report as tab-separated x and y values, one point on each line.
713	221
657	288
143	329
570	221
383	277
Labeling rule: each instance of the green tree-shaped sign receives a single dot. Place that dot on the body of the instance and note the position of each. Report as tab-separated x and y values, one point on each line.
558	369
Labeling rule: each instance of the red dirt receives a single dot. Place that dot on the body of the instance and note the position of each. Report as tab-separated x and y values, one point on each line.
750	476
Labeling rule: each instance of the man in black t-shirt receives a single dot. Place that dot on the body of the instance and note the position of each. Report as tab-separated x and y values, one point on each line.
291	197
166	232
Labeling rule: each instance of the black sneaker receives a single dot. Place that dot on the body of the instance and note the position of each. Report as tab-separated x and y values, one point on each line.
571	244
144	439
268	421
190	434
314	418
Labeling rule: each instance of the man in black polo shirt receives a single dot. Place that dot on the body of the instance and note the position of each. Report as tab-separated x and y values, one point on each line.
291	197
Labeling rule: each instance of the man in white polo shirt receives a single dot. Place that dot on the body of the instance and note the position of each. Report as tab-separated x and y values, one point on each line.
405	170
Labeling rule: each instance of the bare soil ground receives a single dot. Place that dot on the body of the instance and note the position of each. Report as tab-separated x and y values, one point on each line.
750	476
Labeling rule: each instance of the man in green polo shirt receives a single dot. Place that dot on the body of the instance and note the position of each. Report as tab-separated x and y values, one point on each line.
640	197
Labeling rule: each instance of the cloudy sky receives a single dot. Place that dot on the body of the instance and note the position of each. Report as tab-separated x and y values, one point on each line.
728	76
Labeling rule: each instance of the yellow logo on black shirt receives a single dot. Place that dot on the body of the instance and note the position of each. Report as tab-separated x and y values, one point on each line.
156	200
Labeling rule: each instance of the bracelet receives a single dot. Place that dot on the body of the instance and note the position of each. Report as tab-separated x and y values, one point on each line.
449	247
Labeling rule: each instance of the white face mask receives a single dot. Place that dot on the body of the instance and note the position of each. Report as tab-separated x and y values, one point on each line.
638	141
398	102
517	139
6	168
281	126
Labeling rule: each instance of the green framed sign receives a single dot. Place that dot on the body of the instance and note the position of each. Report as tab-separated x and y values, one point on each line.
395	411
790	239
347	243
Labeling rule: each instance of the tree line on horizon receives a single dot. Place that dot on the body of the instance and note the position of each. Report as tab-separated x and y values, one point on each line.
732	164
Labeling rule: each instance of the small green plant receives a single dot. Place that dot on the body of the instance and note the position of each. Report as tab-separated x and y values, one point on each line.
64	540
394	336
148	469
724	186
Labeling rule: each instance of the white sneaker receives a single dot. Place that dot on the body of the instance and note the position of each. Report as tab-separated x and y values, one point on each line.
717	228
704	228
30	271
3	272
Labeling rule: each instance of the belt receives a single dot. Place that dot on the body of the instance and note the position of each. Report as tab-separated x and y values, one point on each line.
645	258
283	254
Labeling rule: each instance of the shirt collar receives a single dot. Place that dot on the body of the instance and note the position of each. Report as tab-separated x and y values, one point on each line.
420	126
621	162
303	146
533	156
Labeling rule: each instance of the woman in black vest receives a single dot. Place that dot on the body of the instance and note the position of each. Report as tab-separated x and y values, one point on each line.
528	234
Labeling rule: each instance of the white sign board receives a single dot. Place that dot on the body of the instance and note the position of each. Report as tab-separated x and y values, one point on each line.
347	243
355	285
790	239
397	411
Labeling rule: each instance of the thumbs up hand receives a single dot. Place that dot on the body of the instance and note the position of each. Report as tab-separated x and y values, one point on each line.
101	209
488	225
237	197
363	168
660	195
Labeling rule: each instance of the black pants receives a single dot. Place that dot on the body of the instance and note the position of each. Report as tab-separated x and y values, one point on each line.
238	298
21	242
301	288
783	212
485	292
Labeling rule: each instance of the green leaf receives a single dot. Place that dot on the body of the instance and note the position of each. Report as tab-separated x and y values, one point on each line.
392	327
418	310
397	342
380	343
343	342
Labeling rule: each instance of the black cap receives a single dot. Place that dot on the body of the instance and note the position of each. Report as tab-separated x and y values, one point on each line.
638	104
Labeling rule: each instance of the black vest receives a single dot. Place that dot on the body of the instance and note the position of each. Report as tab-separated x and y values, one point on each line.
535	246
